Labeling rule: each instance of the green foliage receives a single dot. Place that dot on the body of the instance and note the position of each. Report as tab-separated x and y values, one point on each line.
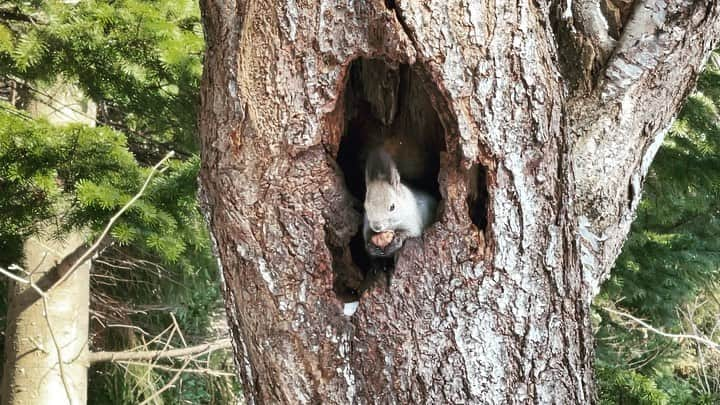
141	62
628	387
84	175
140	59
6	40
77	176
670	259
40	164
91	168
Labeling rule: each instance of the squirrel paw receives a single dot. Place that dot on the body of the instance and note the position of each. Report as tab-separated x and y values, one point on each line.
396	243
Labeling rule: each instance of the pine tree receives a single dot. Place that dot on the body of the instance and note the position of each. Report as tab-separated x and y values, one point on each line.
670	260
140	61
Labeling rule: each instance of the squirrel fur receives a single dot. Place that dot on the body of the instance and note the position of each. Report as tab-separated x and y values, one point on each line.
391	205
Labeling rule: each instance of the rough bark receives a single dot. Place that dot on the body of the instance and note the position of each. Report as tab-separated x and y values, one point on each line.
32	373
563	118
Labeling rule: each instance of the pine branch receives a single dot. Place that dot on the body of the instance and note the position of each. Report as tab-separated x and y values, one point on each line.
101	240
52	103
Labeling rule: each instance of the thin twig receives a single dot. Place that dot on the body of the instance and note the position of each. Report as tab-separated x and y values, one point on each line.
23	281
112	221
153	340
653	329
177	327
155	360
169	384
139	329
44	256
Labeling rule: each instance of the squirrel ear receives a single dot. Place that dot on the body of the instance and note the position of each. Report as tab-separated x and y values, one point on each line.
394	177
380	167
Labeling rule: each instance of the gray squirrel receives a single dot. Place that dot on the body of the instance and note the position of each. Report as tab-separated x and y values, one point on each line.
393	210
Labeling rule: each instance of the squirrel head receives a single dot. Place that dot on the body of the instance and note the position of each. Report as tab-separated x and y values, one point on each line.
386	198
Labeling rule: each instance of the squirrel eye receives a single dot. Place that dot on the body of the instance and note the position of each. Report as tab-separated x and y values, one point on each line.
392	207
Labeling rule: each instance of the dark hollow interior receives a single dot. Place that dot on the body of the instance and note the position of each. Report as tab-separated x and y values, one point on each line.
477	198
388	106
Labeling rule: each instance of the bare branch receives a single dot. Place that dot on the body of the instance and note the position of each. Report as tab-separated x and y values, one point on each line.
22	280
154	355
172	329
658	57
169	384
647	326
205	371
133	327
177	327
112	221
158	337
639	49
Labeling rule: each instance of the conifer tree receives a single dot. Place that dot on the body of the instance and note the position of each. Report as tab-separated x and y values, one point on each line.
670	260
140	61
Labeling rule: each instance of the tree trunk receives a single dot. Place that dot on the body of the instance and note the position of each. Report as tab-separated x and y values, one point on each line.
548	115
62	103
32	373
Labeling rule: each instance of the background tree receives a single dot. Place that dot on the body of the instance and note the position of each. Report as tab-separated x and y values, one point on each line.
563	106
668	270
140	61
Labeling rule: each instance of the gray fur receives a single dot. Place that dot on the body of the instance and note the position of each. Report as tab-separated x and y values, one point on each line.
413	211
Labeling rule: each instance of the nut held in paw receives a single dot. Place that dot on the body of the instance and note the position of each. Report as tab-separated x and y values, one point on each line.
382	239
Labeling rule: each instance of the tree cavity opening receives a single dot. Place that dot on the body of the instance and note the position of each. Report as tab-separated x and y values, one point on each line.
477	197
387	107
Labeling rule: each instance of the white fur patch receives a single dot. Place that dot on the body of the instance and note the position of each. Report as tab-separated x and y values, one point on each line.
350	308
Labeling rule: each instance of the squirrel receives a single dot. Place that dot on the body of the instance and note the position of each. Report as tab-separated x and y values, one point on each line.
393	210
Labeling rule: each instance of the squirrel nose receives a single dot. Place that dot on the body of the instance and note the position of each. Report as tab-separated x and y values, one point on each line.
376	226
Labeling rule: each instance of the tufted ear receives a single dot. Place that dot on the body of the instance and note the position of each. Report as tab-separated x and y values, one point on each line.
394	175
380	167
